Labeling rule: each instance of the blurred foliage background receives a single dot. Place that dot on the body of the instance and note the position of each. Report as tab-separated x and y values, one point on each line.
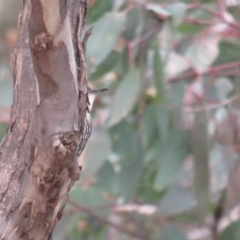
163	159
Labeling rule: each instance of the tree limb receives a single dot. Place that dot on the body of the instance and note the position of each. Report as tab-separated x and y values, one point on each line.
38	162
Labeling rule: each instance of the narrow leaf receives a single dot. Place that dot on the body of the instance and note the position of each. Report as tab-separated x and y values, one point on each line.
125	97
158	76
177	12
6	95
174	151
232	232
106	33
3	129
162	118
131	171
148	126
200	151
172	233
168	207
96	152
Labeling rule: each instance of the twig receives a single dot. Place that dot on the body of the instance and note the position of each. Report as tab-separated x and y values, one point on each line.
222	8
109	223
215	71
212	106
197	21
130	44
203	8
136	2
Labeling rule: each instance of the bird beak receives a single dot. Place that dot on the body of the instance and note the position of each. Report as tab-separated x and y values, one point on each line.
98	90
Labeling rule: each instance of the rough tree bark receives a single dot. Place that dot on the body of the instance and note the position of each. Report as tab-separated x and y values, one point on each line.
38	164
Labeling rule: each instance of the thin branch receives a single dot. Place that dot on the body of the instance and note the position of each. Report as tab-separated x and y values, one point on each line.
214	71
222	8
130	44
212	106
134	2
198	21
109	223
203	8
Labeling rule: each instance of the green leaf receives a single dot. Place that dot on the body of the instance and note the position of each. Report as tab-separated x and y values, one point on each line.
228	52
98	10
107	178
148	126
176	100
6	93
3	129
177	12
189	28
106	33
129	155
200	152
122	65
134	24
131	171
174	151
172	233
163	120
125	97
118	4
122	136
96	152
232	232
156	8
88	197
214	91
177	94
201	56
234	10
168	207
158	77
106	66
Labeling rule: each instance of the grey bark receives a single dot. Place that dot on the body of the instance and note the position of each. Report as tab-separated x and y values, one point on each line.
38	164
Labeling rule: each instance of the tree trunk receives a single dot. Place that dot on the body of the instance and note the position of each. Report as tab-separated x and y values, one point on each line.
38	154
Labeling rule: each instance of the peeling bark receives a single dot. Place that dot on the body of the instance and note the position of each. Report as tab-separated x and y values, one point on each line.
38	162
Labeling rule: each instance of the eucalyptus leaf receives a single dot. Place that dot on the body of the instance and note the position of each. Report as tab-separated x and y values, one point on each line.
122	136
231	232
156	8
175	149
228	52
105	35
189	28
177	12
131	171
96	152
162	115
106	66
125	97
6	93
203	54
118	4
98	10
172	233
3	129
105	173
148	126
200	151
88	197
158	77
169	204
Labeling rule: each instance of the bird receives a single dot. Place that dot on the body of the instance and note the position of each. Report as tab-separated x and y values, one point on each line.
87	126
